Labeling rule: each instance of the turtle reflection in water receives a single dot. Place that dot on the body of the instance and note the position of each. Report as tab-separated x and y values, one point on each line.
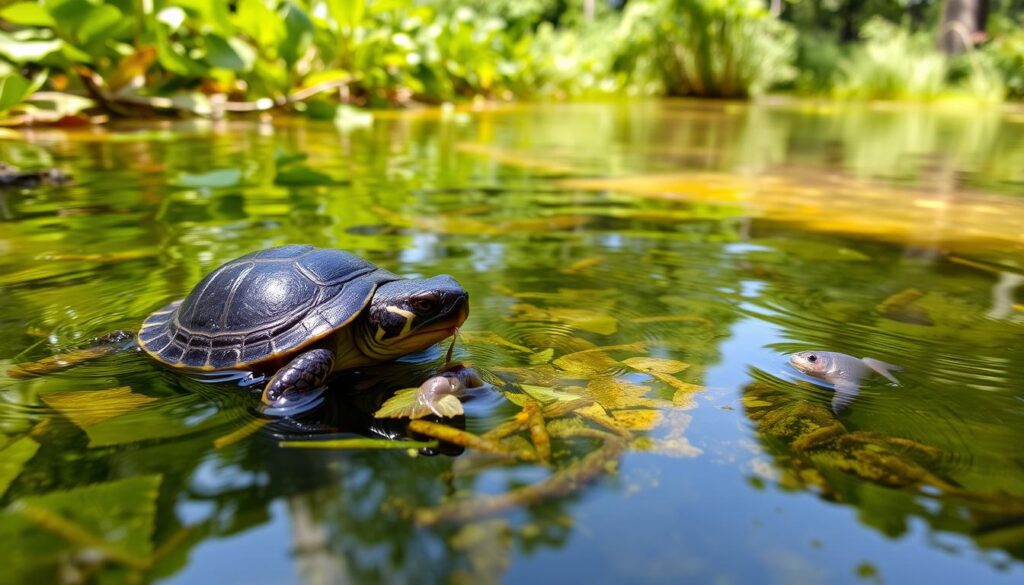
297	314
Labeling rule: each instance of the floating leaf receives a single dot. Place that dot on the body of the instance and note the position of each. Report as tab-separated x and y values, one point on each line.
651	365
613	393
637	419
242	432
586	362
221	178
13	458
542	357
545	395
88	407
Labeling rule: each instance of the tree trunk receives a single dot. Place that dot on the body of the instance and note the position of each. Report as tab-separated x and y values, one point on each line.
963	24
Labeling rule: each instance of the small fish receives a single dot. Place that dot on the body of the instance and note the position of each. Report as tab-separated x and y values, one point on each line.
843	371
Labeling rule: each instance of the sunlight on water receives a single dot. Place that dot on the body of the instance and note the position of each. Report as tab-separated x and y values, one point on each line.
638	276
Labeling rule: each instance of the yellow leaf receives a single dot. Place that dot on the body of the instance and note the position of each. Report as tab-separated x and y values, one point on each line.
652	365
638	419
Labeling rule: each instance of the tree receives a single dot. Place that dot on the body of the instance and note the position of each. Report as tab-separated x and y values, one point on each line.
963	24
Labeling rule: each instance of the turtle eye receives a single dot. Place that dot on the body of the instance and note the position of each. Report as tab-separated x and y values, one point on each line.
812	358
423	304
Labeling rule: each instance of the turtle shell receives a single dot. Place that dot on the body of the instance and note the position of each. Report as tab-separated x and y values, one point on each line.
262	306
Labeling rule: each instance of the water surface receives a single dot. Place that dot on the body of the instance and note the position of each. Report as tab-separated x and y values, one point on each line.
721	237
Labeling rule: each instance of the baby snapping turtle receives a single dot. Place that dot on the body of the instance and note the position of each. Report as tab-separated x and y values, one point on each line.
301	313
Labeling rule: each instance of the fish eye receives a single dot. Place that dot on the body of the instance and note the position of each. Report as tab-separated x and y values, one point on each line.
423	304
812	358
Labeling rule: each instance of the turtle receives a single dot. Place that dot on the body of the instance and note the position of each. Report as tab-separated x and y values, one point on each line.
298	314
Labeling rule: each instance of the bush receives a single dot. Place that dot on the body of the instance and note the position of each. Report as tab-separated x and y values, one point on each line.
709	48
1006	54
892	63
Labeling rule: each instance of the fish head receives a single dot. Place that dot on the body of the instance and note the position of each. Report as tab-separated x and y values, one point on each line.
812	363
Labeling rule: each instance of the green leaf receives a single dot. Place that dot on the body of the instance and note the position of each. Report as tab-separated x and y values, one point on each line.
219	179
225	54
121	513
298	33
13	458
13	89
347	13
27	14
100	24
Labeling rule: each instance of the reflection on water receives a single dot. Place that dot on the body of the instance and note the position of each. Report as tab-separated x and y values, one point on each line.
638	274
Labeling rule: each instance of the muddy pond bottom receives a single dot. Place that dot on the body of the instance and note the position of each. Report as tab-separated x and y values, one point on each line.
638	276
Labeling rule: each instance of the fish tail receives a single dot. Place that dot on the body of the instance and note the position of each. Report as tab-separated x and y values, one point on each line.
884	368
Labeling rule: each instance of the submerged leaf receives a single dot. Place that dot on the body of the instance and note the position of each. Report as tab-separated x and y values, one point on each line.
88	407
545	395
638	419
119	513
586	362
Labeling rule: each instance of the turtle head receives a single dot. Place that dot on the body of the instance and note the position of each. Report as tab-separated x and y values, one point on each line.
406	316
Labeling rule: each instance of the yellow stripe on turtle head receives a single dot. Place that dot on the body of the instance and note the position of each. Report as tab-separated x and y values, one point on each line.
408	315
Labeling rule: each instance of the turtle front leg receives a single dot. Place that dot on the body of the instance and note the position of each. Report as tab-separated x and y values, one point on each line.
292	384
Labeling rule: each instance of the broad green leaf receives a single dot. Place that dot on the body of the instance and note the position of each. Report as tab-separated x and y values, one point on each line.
260	23
13	89
13	458
121	512
218	179
225	55
298	33
27	14
347	13
100	24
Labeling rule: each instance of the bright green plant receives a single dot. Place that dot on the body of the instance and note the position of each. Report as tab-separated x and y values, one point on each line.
713	48
893	63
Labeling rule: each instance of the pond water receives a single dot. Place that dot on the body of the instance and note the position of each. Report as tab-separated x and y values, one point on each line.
638	275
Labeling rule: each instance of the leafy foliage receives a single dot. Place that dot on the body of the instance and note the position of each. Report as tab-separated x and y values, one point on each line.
721	48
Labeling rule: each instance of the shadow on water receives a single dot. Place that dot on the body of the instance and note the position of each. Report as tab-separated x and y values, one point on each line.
634	296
